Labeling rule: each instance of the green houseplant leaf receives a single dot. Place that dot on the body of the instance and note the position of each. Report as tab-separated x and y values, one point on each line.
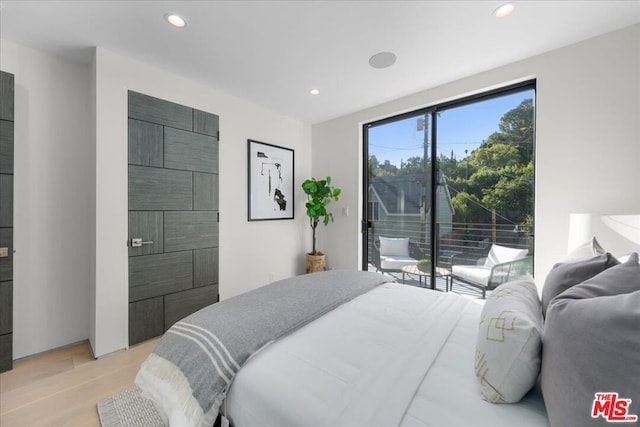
319	194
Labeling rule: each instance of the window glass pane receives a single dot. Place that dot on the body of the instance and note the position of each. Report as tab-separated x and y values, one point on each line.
482	185
485	161
399	177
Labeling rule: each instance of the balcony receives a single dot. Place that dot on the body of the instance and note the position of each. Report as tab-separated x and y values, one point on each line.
460	243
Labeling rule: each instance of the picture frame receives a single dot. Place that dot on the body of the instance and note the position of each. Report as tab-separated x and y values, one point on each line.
270	181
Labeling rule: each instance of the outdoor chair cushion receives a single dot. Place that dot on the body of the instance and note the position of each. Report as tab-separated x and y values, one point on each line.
473	273
500	254
394	246
480	274
395	262
394	253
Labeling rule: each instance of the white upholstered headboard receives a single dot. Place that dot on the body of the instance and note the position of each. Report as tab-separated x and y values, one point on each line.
618	234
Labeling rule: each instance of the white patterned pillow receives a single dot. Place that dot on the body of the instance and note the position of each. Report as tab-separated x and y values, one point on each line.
509	345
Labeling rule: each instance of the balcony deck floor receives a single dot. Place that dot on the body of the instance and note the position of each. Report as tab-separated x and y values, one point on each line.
457	288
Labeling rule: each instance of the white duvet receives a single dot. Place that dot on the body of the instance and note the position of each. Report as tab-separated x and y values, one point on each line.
395	356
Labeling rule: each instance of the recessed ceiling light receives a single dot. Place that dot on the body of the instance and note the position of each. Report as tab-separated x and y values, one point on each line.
382	60
504	10
314	91
175	20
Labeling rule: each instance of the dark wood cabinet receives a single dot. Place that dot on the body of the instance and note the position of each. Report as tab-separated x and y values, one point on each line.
6	219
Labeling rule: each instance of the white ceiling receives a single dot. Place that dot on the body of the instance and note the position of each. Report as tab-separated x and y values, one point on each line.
273	52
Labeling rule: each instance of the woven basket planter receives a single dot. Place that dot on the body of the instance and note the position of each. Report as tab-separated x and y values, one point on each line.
316	263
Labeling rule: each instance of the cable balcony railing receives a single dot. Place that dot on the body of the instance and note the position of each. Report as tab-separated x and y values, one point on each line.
471	240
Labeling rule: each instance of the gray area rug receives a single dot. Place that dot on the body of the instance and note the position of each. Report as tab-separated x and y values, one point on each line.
128	409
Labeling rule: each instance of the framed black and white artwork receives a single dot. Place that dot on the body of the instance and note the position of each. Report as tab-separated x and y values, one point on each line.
270	181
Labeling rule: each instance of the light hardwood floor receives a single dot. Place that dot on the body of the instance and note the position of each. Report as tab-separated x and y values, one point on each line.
62	387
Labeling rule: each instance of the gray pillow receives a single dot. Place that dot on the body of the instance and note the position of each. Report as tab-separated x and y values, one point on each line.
591	344
567	274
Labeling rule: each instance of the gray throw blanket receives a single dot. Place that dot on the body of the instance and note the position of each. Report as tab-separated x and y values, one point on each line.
190	370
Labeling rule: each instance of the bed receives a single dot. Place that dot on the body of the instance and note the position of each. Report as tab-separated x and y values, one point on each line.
398	355
355	349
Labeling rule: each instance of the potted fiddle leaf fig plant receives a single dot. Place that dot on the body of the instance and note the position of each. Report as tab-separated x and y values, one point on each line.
319	194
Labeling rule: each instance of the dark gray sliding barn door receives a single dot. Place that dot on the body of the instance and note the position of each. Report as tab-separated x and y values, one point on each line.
173	213
6	220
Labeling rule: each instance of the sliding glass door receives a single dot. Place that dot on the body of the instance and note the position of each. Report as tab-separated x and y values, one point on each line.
462	172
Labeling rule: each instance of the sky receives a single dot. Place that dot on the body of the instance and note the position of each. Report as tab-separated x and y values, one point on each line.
459	129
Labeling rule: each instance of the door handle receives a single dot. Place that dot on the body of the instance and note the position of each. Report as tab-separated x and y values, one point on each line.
137	242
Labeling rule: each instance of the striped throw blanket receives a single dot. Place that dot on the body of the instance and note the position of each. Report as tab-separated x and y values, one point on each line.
189	372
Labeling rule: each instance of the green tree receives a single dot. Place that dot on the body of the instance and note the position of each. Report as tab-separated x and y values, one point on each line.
516	129
512	194
496	156
499	174
381	169
468	208
413	166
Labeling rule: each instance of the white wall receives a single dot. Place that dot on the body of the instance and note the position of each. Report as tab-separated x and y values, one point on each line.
251	253
587	144
52	197
71	194
70	270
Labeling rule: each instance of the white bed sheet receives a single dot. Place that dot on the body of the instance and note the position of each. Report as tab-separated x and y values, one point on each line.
397	355
449	394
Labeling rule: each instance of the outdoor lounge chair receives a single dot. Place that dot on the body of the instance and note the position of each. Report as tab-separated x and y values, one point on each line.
392	253
501	265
